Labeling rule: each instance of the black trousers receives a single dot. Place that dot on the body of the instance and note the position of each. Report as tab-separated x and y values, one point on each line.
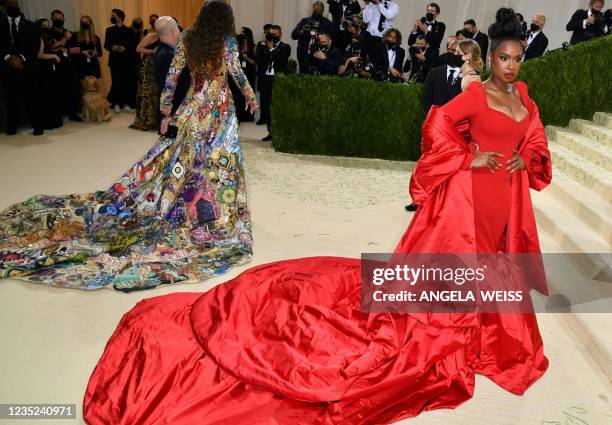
20	89
124	74
265	97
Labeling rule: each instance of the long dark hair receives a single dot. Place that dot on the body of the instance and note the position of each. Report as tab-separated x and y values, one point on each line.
205	41
248	37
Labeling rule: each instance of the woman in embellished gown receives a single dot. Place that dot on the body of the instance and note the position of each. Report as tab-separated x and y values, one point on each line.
179	214
287	343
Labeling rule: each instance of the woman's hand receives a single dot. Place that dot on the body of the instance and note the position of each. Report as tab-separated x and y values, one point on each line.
486	159
516	162
165	110
251	106
163	128
57	59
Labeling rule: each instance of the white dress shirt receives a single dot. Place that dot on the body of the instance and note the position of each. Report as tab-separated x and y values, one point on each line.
456	75
372	13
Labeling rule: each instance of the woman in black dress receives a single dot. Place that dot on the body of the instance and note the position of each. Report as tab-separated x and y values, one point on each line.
91	49
48	81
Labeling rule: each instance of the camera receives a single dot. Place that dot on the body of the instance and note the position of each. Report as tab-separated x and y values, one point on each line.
315	46
415	50
272	39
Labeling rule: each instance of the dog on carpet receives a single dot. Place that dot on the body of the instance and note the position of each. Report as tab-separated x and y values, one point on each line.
95	106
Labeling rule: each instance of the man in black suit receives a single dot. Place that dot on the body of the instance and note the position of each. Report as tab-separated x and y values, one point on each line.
442	84
341	10
393	56
587	24
430	27
121	42
306	33
272	60
422	58
482	39
325	59
168	32
536	42
19	44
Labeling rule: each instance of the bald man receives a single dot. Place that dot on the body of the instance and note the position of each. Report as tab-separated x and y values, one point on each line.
536	42
168	32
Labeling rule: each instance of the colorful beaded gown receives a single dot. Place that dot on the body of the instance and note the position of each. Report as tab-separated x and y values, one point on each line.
179	214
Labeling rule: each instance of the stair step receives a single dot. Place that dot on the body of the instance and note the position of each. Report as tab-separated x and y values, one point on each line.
570	234
585	172
583	204
587	148
589	129
603	118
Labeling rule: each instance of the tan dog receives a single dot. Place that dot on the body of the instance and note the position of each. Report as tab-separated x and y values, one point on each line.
95	106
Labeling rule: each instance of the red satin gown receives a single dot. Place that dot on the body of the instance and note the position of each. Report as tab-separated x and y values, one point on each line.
286	343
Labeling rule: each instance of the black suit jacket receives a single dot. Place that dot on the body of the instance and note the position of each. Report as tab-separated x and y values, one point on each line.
435	36
335	8
122	36
280	56
580	33
437	91
162	61
537	47
26	45
380	60
483	41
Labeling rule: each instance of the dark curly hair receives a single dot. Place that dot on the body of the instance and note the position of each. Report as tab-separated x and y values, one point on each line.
505	27
205	41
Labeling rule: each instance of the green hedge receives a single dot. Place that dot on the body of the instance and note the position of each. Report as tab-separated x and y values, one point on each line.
352	117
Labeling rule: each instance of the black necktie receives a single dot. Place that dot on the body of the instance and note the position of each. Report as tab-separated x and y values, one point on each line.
382	18
14	31
451	77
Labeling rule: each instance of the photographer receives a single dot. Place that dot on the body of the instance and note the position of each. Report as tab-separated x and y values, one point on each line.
587	24
323	58
380	16
272	60
430	28
422	58
393	56
306	33
357	63
342	10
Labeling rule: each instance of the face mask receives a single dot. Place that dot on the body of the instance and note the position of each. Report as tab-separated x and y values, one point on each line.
317	15
85	26
13	11
454	61
113	20
534	27
137	26
429	17
58	23
152	22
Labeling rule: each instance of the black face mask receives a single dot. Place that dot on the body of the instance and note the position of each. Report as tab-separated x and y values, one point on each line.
13	11
85	26
137	27
58	23
113	20
534	27
429	17
317	15
595	12
454	61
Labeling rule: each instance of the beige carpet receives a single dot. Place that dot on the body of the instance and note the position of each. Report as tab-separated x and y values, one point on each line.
301	206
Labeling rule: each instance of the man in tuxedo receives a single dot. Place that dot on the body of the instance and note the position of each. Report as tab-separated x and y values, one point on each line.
341	10
536	42
393	56
259	53
380	16
272	61
19	44
325	59
587	24
442	84
121	42
482	39
306	33
422	58
168	32
430	27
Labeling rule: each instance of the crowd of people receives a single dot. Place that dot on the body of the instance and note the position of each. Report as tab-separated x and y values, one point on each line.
44	62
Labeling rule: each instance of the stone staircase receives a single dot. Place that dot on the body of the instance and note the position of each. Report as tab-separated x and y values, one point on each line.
574	215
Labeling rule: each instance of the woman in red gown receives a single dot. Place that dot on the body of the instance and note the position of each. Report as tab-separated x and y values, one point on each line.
287	343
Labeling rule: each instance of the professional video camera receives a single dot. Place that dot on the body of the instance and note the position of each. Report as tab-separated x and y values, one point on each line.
415	50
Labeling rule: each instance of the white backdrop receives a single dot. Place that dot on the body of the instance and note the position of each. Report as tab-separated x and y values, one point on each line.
286	13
